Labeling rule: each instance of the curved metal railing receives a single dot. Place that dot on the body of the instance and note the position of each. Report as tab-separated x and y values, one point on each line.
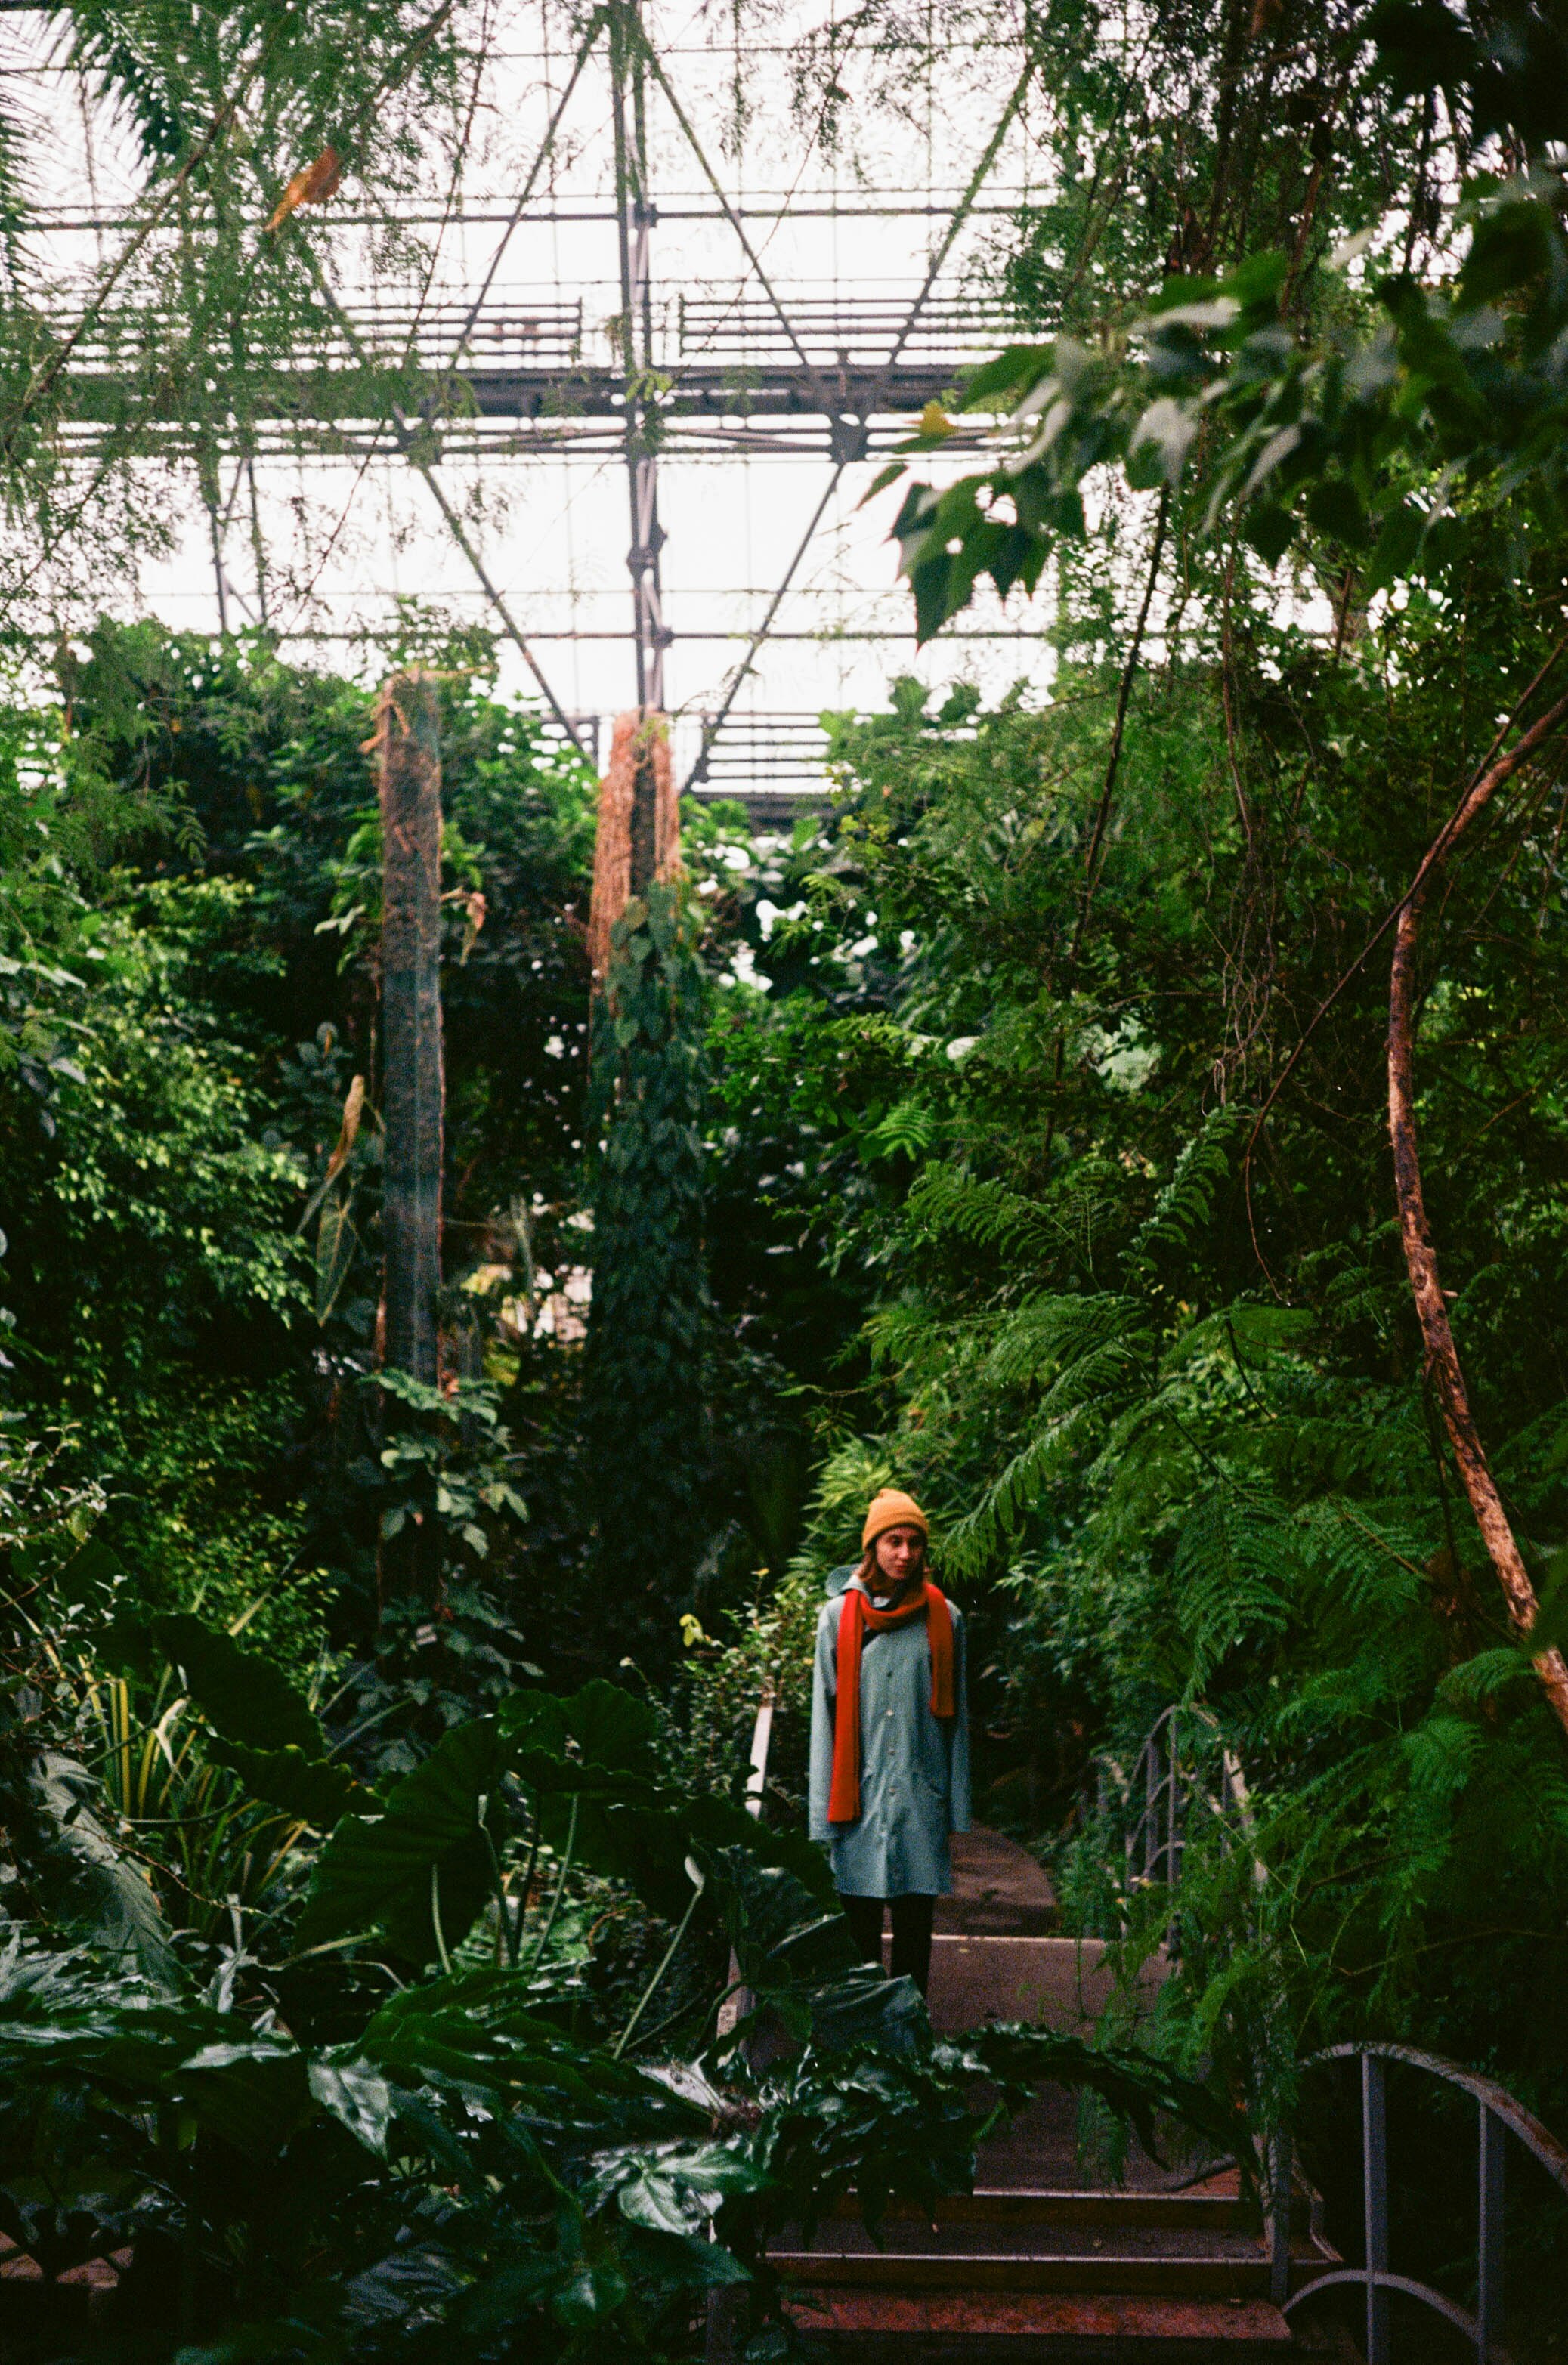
1157	1800
1166	1778
736	2000
1497	2115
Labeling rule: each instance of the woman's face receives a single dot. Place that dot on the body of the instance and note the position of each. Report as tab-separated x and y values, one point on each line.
899	1555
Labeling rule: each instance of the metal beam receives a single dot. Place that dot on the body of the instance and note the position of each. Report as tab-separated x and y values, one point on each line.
715	723
635	217
407	437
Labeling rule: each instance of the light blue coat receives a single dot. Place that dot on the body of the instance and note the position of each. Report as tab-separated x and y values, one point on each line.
914	1768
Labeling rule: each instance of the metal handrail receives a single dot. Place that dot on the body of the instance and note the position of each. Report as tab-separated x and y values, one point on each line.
737	2002
1154	1843
1154	1846
1497	2112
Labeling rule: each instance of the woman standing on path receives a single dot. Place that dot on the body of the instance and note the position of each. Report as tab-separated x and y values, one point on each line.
889	1774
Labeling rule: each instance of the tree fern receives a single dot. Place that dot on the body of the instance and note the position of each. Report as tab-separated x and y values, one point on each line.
974	1539
1060	1334
1366	1555
1234	1574
988	1215
1486	1677
1185	1204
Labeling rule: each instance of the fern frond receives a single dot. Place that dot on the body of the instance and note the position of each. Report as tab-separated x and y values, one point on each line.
1440	1756
972	1541
905	1332
1245	1331
1084	1208
1381	1674
1368	1556
1234	1575
1184	1205
988	1215
1485	1676
1058	1332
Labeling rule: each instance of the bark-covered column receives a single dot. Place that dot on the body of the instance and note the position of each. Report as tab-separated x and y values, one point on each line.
413	1092
639	825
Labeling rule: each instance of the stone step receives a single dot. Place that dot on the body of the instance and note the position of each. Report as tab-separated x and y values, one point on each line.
1037	2329
1061	1983
1215	2207
1157	2271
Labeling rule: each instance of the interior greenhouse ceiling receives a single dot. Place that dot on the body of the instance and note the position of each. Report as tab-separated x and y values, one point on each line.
675	297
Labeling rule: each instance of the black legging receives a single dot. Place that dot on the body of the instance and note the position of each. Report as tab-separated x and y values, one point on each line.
911	1932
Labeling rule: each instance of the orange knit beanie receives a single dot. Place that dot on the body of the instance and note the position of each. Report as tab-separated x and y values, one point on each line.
891	1510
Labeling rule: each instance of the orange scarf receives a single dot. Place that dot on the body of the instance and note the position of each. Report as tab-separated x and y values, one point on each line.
858	1614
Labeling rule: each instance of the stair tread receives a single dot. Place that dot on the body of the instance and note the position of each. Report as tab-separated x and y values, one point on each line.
912	2238
1198	2206
1038	2316
1088	2272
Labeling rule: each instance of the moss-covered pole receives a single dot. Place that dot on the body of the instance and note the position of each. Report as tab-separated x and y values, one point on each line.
413	1090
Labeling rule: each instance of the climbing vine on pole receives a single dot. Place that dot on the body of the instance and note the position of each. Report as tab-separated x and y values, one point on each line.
408	747
644	1411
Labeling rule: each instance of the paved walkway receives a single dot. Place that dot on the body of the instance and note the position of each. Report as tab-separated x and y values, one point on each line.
1046	2259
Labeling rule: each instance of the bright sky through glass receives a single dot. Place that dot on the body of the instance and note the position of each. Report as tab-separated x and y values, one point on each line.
843	230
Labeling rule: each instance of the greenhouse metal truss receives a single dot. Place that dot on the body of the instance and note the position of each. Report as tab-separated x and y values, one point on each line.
756	369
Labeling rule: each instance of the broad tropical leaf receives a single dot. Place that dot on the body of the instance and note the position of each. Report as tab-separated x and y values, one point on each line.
383	1870
243	1694
309	1787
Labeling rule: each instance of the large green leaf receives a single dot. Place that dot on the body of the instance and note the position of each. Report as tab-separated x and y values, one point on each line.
613	1731
479	2028
244	1695
674	2190
612	1727
1136	2085
376	1870
353	2092
713	1823
253	2093
309	1787
65	2019
82	1876
645	1840
336	1245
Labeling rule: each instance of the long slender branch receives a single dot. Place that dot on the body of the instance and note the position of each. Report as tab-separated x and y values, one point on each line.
407	432
668	1957
656	67
44	380
215	132
546	149
961	215
1435	853
1421	1257
1108	790
1118	729
545	1934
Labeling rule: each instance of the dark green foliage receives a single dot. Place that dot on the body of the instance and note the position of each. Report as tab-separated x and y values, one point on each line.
1165	1401
296	2125
645	1416
186	1039
246	1696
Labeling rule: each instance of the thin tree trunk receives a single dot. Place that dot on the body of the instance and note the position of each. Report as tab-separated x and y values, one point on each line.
413	1092
1107	791
639	825
1420	1258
